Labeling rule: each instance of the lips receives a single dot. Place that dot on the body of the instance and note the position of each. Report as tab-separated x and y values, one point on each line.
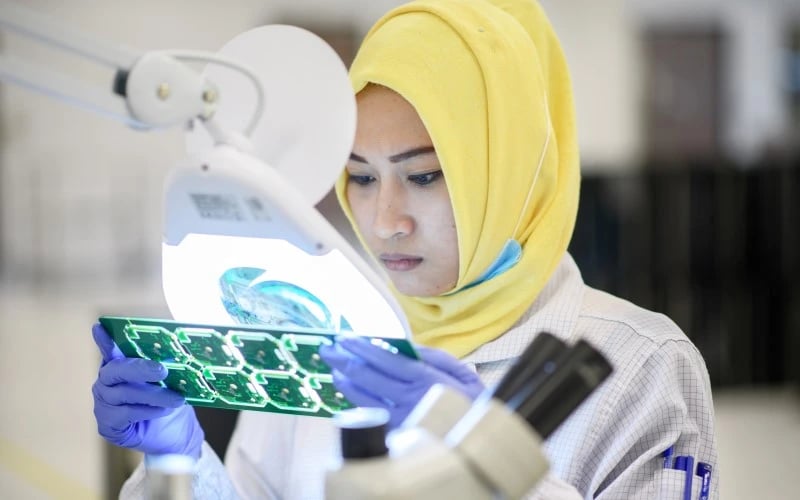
400	262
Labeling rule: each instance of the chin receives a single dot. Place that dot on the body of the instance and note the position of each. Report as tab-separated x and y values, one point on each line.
412	290
416	290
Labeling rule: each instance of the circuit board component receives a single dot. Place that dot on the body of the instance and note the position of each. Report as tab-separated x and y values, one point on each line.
208	347
242	367
304	349
189	382
156	343
287	391
332	400
236	387
261	352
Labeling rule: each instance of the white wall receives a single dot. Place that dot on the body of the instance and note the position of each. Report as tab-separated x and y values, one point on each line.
599	40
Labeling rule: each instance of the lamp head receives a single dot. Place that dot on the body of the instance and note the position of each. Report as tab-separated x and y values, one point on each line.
243	243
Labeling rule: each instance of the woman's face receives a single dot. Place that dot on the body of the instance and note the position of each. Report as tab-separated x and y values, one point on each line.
399	197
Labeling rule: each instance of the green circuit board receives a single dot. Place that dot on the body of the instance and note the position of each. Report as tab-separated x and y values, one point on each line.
241	367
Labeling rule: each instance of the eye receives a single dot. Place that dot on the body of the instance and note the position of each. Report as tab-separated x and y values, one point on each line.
425	179
361	180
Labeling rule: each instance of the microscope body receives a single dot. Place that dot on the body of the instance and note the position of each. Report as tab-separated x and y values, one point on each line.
428	469
490	452
452	447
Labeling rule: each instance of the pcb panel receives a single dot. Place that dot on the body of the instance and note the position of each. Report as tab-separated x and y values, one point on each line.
241	367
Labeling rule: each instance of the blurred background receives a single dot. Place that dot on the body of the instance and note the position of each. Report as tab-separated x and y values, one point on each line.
689	123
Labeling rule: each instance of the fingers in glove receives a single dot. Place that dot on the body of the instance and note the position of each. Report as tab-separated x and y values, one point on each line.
362	374
111	420
364	399
340	359
447	363
108	349
356	395
131	370
138	394
397	366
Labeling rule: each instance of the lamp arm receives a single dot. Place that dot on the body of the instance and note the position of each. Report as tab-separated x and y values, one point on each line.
153	89
25	22
65	88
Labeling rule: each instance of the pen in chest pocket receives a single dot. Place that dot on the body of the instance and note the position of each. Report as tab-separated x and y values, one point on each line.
704	472
685	463
668	457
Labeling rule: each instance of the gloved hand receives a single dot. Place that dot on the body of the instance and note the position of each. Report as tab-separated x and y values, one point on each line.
132	413
370	376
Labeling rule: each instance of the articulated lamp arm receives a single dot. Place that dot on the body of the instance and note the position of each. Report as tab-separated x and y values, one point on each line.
153	89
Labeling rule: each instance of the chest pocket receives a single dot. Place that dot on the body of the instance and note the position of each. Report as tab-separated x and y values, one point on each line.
672	485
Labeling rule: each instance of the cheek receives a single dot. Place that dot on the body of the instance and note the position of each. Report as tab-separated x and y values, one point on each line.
447	235
444	235
451	238
453	254
362	211
447	258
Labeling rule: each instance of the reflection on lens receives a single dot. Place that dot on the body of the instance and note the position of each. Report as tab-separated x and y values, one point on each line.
276	303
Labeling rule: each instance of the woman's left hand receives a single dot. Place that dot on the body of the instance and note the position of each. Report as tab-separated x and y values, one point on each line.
371	376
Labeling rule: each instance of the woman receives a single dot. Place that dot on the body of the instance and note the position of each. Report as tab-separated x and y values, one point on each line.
463	184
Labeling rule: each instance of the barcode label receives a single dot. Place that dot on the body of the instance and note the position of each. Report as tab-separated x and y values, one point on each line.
217	206
257	209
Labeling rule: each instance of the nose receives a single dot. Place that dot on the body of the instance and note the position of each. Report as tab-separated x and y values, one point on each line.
392	217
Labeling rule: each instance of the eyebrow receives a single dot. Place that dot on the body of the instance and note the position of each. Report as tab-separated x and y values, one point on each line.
405	155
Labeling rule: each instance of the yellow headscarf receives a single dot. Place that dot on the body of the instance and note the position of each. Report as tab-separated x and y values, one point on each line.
491	85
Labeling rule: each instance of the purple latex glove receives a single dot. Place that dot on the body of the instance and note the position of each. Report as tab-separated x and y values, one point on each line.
133	413
370	376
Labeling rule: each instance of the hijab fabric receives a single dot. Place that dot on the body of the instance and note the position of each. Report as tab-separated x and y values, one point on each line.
490	83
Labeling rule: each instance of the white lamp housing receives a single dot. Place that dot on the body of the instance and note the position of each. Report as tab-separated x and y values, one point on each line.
227	211
243	242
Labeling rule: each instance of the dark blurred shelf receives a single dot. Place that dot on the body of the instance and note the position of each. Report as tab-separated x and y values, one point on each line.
717	249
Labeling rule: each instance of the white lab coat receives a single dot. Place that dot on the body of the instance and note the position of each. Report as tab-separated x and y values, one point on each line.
610	448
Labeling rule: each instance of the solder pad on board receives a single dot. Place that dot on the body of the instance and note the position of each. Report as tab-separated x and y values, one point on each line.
241	367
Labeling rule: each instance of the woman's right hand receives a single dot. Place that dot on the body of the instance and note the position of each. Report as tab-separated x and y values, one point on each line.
132	412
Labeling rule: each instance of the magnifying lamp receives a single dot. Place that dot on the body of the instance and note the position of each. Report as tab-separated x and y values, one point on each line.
272	120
